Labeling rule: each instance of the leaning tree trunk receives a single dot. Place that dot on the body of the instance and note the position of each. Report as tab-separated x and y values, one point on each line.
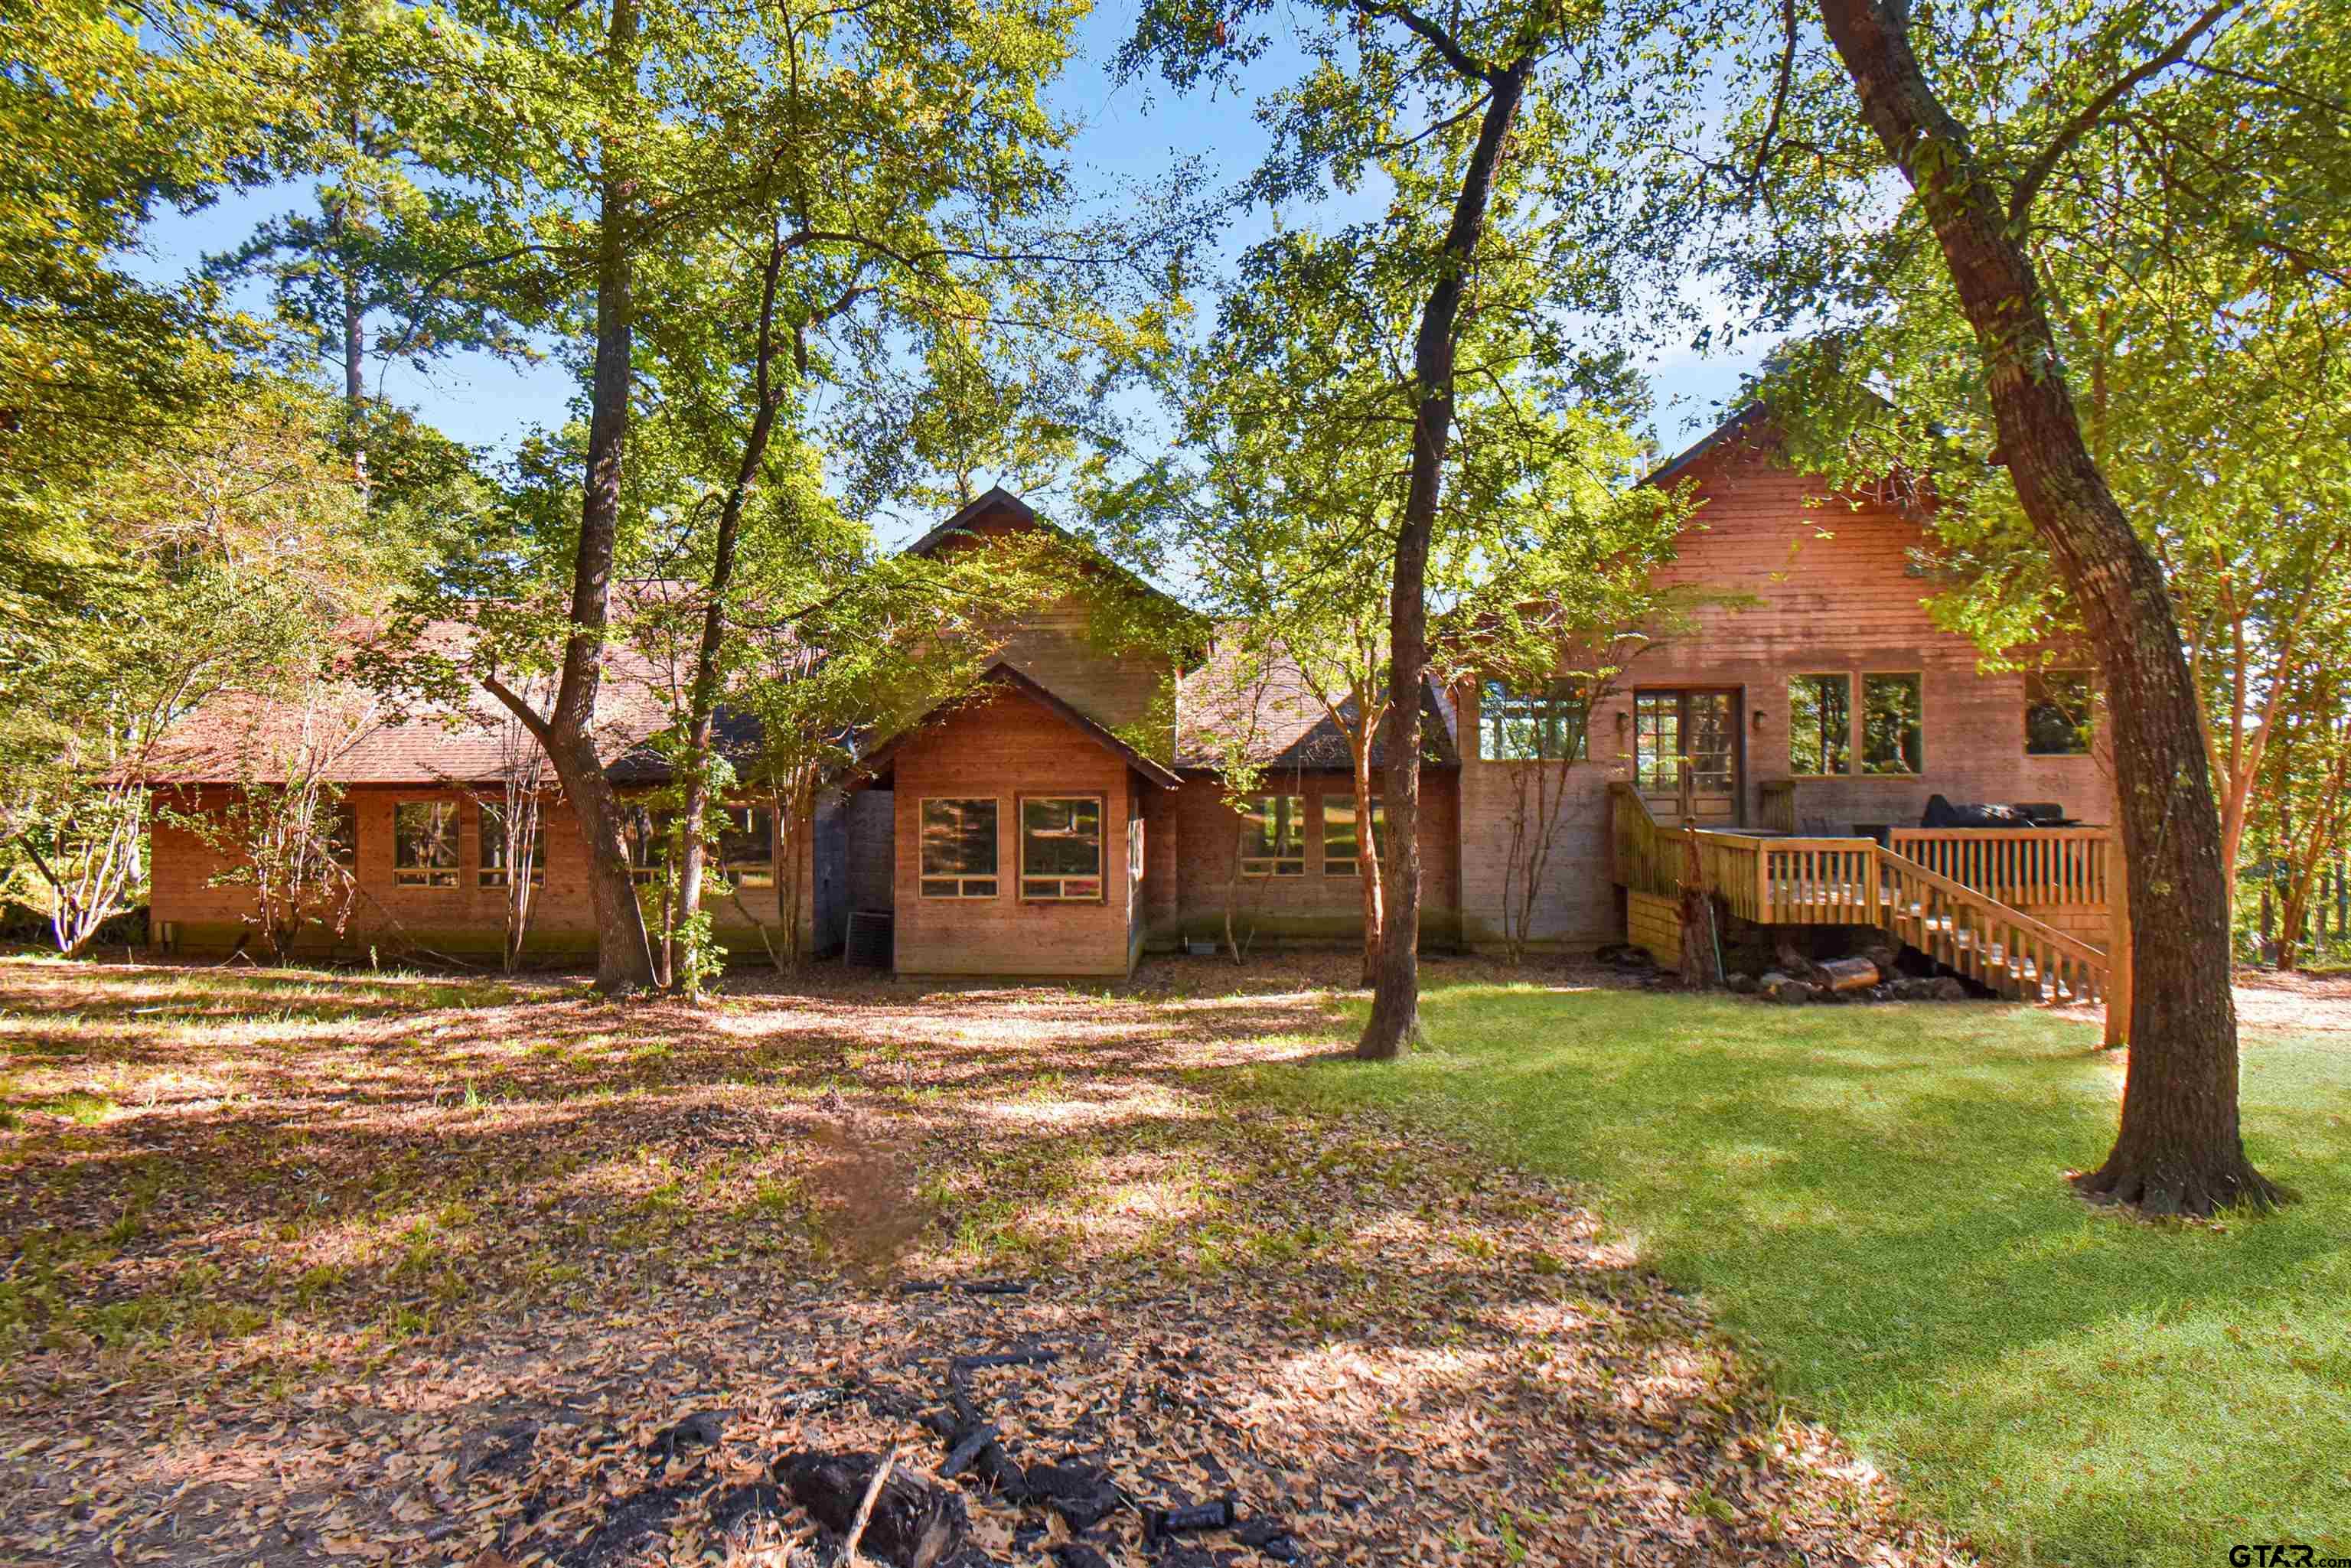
624	959
1395	1022
702	703
2178	1150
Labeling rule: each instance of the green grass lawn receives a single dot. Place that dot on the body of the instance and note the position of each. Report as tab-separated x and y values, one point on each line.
1873	1200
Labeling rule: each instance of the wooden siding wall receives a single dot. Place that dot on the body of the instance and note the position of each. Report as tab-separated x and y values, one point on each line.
1003	747
466	919
1054	648
1655	922
1831	594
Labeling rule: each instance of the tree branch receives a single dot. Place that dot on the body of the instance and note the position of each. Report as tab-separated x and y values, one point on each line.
1779	94
1460	58
2029	184
519	708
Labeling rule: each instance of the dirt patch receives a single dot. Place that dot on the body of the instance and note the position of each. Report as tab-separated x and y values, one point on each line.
2268	999
302	1268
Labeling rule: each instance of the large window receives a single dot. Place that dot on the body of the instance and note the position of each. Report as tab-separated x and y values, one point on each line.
1820	725
1340	838
958	849
747	846
1523	726
1273	836
495	872
1892	735
424	843
2057	713
1061	847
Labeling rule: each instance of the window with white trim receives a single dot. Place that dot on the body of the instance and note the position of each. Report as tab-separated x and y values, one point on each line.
1061	847
958	849
424	843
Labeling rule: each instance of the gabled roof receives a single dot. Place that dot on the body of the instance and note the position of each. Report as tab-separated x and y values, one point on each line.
1739	421
995	500
1281	724
999	502
1004	676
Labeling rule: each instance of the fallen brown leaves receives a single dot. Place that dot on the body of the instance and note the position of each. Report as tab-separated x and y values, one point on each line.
388	1271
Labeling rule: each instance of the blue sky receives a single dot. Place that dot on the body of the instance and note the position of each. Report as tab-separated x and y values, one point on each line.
1132	131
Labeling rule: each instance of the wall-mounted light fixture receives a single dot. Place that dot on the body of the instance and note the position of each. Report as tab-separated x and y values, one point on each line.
1623	723
1759	721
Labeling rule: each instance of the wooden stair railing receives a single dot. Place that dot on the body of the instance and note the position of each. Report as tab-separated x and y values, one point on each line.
1855	882
1983	938
1644	856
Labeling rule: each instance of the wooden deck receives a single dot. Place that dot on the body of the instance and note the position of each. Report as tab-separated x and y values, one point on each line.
1953	894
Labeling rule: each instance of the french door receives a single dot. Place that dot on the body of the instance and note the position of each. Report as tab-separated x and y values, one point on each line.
1686	755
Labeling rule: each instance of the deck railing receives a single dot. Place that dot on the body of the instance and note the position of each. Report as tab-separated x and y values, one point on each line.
2036	868
1817	881
1777	881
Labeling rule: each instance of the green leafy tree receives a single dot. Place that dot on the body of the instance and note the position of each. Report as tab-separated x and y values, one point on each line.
111	114
371	269
216	563
2006	127
2221	419
2305	821
1509	146
1285	508
899	161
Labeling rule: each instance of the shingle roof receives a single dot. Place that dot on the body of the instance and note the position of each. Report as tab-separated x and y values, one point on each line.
1268	707
245	738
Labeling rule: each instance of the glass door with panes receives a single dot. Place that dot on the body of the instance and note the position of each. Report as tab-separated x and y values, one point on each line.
1686	755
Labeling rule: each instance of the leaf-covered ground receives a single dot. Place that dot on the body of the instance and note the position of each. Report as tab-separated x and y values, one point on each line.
297	1268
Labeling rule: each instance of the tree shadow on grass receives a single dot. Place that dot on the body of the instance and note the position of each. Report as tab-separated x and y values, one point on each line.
1874	1200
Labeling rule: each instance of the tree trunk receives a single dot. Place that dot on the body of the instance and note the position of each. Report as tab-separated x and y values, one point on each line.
2178	1150
354	347
624	959
1367	857
1699	970
702	703
1395	1022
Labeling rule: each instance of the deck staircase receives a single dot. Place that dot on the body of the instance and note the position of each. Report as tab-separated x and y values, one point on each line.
1782	880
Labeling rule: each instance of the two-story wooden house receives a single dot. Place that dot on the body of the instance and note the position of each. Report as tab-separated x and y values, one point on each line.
1072	815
